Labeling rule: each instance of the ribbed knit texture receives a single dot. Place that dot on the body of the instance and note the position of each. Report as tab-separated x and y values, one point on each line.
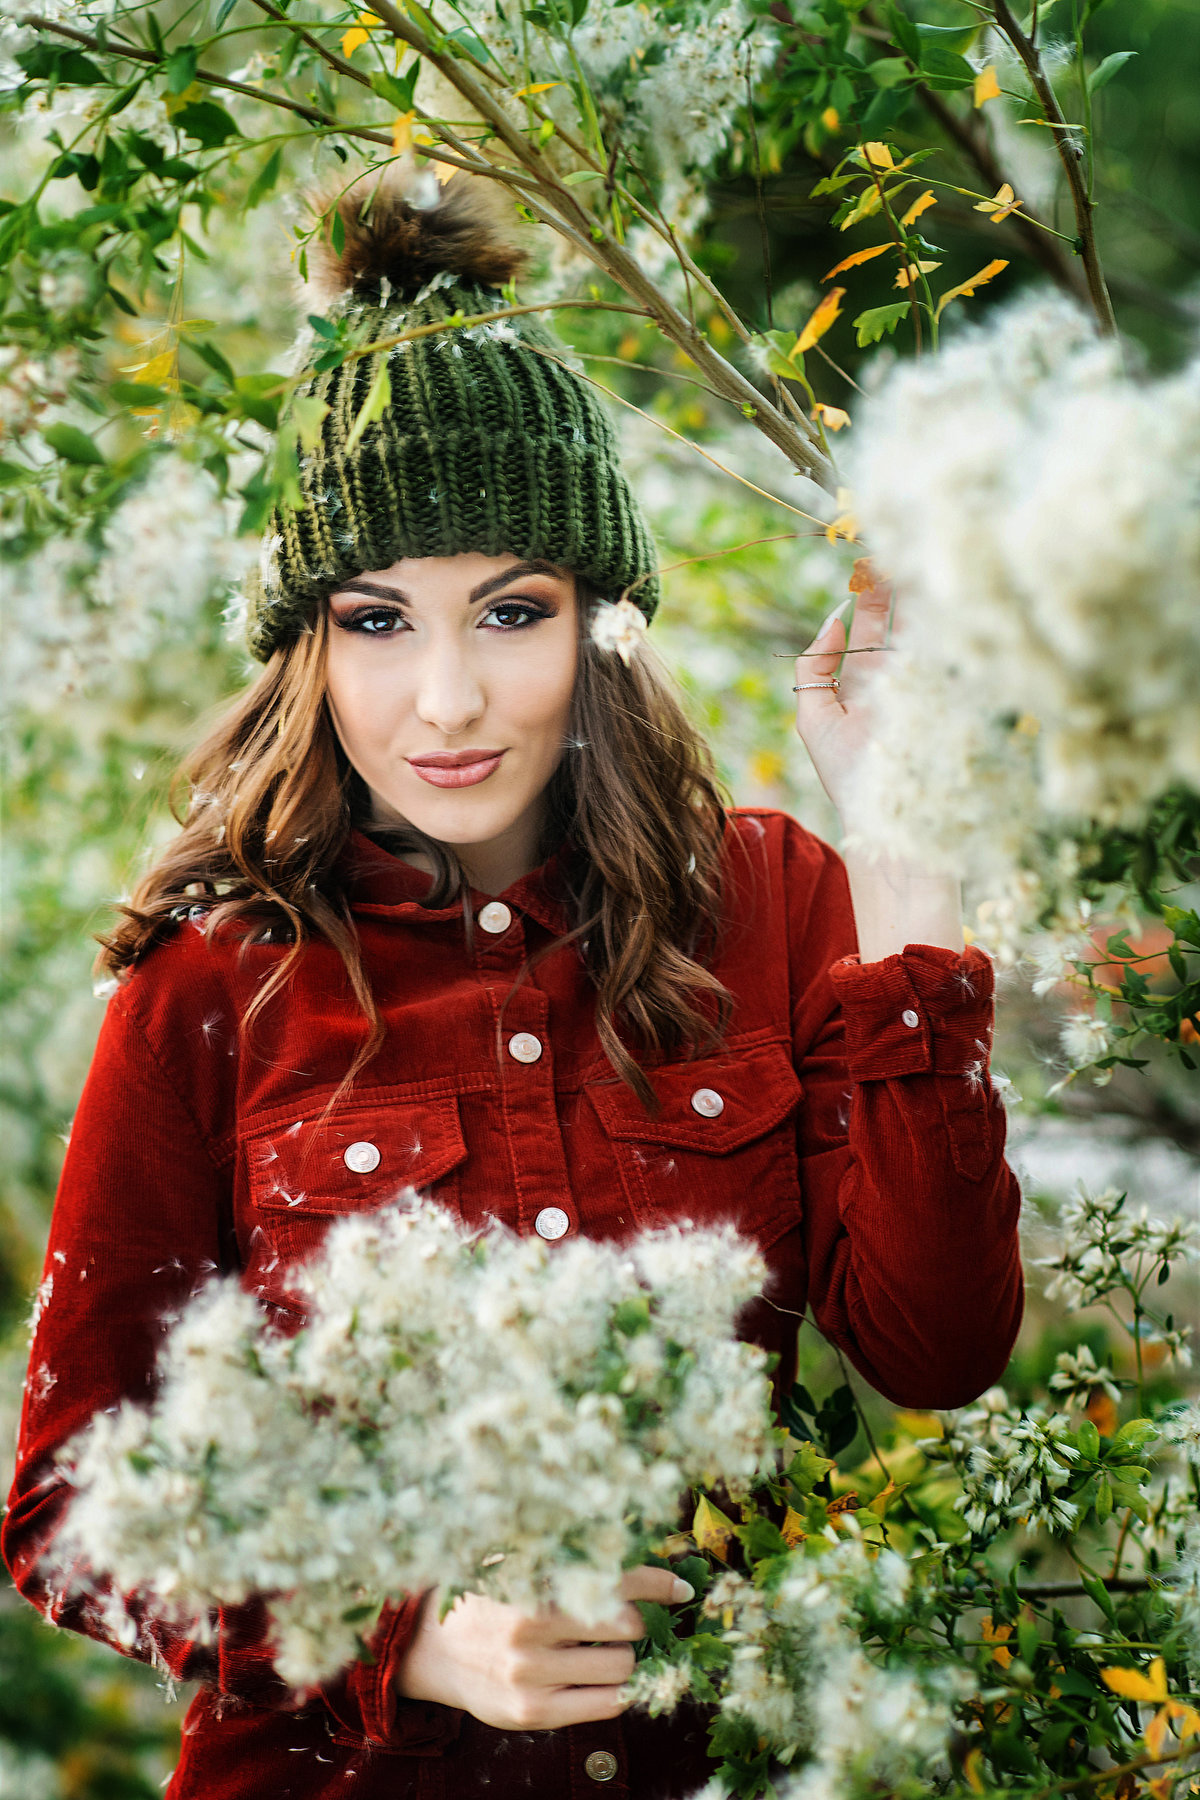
487	445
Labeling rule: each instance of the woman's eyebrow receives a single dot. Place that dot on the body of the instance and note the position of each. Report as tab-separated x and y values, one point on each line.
536	565
375	589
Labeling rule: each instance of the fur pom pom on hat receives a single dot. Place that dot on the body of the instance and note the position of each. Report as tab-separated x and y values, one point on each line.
487	440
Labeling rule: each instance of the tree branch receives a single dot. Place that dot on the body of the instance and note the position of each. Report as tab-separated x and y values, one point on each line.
1071	158
561	206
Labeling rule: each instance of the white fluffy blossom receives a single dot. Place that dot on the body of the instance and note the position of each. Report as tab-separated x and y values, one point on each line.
1012	1464
1106	1244
72	615
472	1412
1183	1428
1077	1375
618	625
1037	507
800	1673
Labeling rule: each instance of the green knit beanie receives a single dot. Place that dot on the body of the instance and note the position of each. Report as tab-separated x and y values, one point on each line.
489	442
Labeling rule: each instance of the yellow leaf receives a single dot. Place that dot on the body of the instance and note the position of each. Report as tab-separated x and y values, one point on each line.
536	87
920	205
877	156
1002	202
830	119
711	1529
885	1496
971	1764
156	371
1157	1732
844	525
1185	1719
792	1528
832	417
909	273
996	1634
868	202
852	262
863	577
402	133
920	1424
965	288
1131	1684
819	324
359	34
986	85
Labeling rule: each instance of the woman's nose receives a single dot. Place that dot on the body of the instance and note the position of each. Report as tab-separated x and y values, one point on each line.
449	696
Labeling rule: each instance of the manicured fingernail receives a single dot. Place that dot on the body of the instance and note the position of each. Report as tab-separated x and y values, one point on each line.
682	1590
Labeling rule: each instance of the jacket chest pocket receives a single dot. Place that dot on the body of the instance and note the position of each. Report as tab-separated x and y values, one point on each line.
722	1147
303	1175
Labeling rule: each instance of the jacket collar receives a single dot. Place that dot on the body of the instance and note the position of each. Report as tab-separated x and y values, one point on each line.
375	881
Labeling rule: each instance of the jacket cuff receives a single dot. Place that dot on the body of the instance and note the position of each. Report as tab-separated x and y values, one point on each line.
925	1010
416	1727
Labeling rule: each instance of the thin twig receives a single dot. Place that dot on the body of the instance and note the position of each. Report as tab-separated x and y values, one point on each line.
758	195
670	430
1067	1590
469	320
1071	157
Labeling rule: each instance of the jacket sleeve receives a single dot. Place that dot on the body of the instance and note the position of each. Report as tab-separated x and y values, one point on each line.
910	1212
142	1218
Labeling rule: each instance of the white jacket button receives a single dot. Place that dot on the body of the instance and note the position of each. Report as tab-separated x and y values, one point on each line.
552	1222
524	1047
362	1158
910	1018
495	917
601	1765
708	1103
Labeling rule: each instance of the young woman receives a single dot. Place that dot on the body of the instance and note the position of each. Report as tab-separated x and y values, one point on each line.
456	906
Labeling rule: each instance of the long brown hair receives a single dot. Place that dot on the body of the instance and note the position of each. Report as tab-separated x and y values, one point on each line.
271	799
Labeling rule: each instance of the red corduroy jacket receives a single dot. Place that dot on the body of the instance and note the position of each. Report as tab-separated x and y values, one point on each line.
847	1122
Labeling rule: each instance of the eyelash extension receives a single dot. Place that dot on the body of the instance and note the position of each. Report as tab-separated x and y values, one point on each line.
533	609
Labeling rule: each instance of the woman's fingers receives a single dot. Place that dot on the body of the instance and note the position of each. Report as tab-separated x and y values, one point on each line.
579	1706
648	1583
589	1665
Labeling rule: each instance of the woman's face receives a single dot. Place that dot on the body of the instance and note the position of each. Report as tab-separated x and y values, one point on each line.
449	680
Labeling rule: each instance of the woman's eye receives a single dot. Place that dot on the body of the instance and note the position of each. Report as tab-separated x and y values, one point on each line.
377	622
511	615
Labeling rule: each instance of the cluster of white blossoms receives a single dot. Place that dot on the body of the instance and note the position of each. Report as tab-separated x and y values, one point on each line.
168	548
1107	1245
620	626
475	1412
1077	1376
1037	507
31	385
800	1674
1012	1465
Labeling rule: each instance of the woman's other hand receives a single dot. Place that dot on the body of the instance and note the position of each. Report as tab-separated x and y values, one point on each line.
834	721
539	1671
895	903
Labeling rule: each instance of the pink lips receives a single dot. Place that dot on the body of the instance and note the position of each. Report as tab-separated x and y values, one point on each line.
456	768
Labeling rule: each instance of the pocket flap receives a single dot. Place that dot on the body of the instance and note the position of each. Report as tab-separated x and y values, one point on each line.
714	1104
361	1158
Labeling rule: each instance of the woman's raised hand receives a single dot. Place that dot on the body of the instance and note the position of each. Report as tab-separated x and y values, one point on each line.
834	721
531	1671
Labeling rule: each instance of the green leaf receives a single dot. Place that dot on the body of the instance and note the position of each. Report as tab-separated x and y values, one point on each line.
337	233
808	1467
397	90
944	68
889	71
62	66
73	445
309	413
378	398
206	121
1088	1439
137	393
871	325
1097	1591
578	176
904	32
760	1538
947	37
659	1627
266	178
1104	1501
223	12
1104	71
181	68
